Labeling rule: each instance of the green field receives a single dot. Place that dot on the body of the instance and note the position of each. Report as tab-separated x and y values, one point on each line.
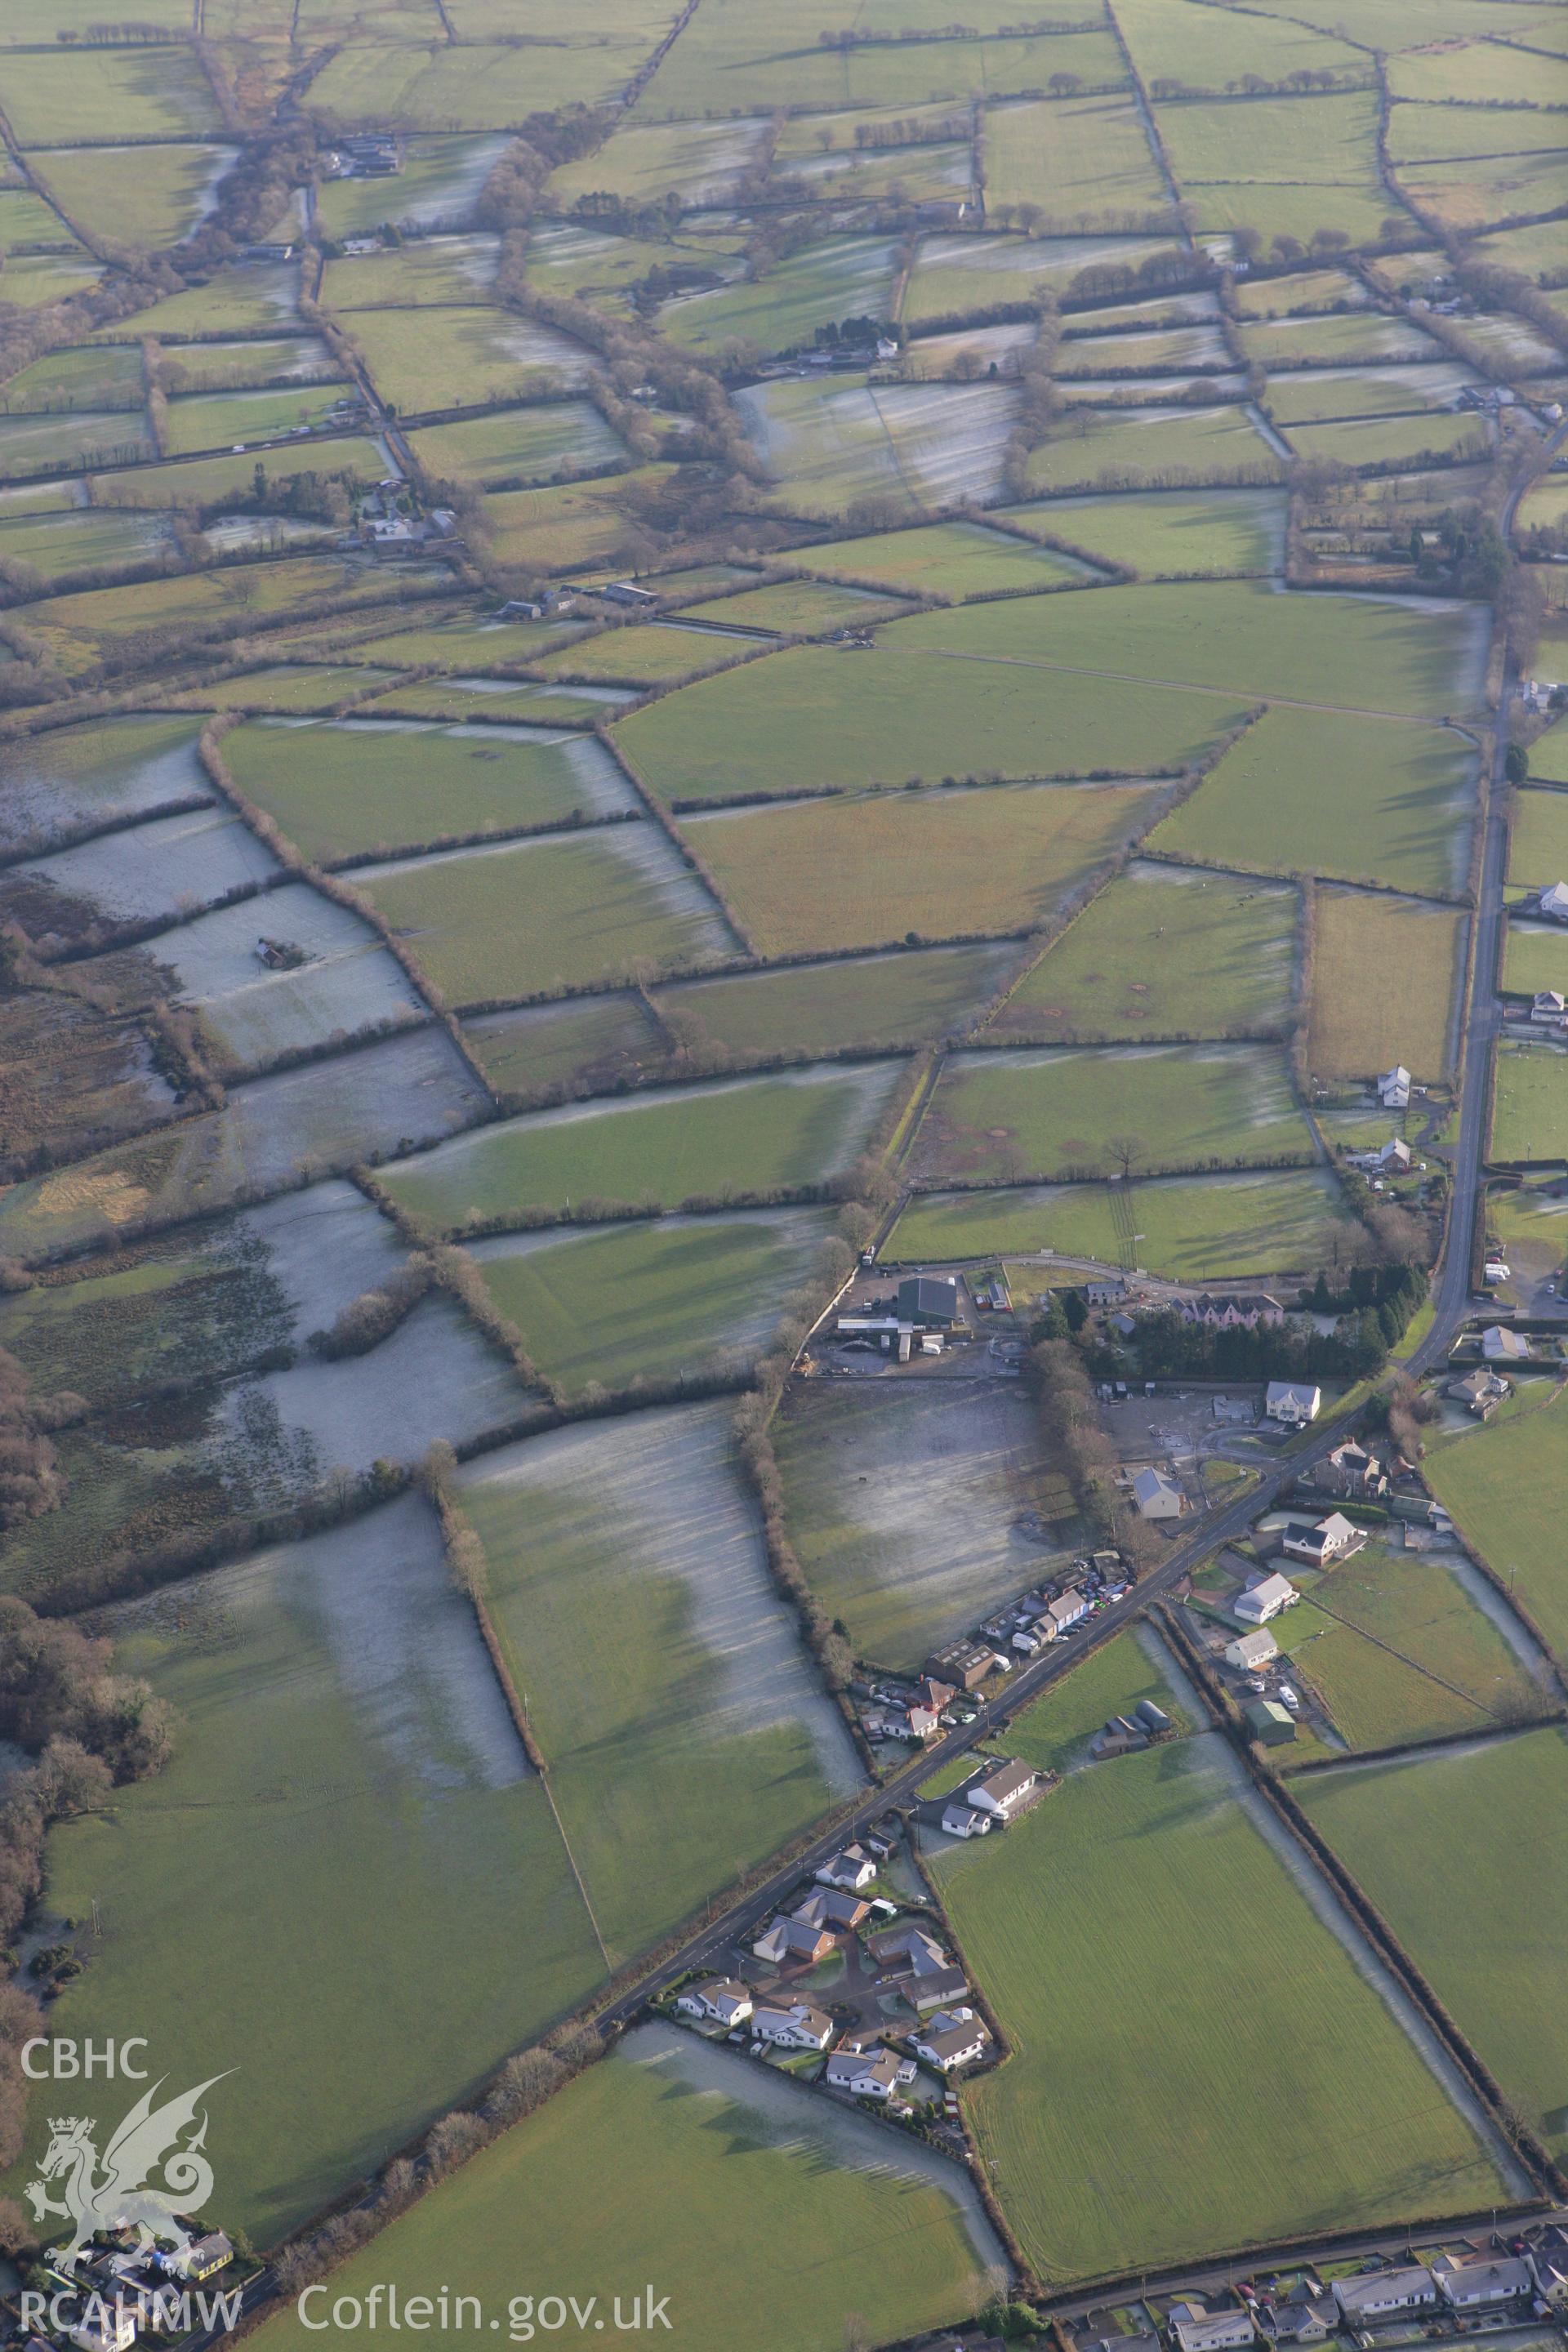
1535	957
1151	449
260	299
1507	1487
1391	440
629	2175
801	607
220	419
590	1042
652	1301
902	1500
1538	839
569	526
997	1117
40	444
373	1796
1398	1651
1364	336
1052	1733
476	356
955	275
1197	2058
1385	973
746	1136
1168	534
1494	1961
892	1000
943	559
624	1563
645	160
1087	162
84	375
209	479
439	181
338	792
529	919
640	656
845	278
817	876
286	687
438	269
1175	39
542	444
1530	1103
1317	395
819	715
1165	951
1549	754
137	196
1190	1229
1334	793
101	95
57	545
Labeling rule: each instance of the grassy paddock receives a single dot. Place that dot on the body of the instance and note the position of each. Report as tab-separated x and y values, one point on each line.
1384	974
1507	1486
895	999
1530	1103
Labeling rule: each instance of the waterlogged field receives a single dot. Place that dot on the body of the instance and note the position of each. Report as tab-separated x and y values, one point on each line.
1164	951
905	1503
1391	1825
827	444
534	918
78	779
996	1117
1190	1229
652	1301
1229	1999
1506	1486
373	1790
870	872
152	872
1326	792
1385	974
648	2143
661	1147
343	790
685	1734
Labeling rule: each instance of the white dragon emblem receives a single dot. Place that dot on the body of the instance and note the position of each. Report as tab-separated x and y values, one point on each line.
113	2192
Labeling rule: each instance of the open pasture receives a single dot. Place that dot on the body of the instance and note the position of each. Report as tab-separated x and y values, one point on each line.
77	777
439	181
447	87
1164	951
1149	351
1085	163
592	1043
532	916
872	870
925	171
477	357
700	162
576	524
1326	791
647	2143
1347	338
1151	448
374	1792
1482	72
340	790
1529	1104
1230	1997
865	1001
1299	292
27	222
45	445
84	375
96	96
652	1301
522	445
1176	41
34	280
1168	534
1187	1228
1538	839
684	1732
640	656
203	481
955	275
1535	957
242	366
1315	395
440	269
1385	973
396	1095
214	605
943	559
744	1136
1549	754
286	687
1507	1486
997	1118
259	297
1330	141
223	420
797	607
1473	193
1492	1959
147	196
816	718
903	1501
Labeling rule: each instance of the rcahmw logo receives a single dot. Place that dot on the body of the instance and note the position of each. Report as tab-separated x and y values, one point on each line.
117	2191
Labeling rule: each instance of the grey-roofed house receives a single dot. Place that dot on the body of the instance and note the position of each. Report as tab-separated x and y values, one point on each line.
955	2047
1003	1791
864	2075
1471	2286
1209	2331
1372	2294
1157	1496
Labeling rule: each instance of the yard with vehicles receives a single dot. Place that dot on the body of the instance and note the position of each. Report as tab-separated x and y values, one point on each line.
1229	1996
1391	1824
1188	1228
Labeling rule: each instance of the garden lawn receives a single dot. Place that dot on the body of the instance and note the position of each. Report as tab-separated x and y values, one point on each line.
1538	839
822	716
338	791
1384	975
1530	1103
890	999
1052	1733
1321	791
652	1301
685	1731
1507	1486
1495	1959
996	1117
639	2157
904	1500
1191	1229
814	876
1197	2058
1168	533
1165	951
750	1136
528	918
381	1830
